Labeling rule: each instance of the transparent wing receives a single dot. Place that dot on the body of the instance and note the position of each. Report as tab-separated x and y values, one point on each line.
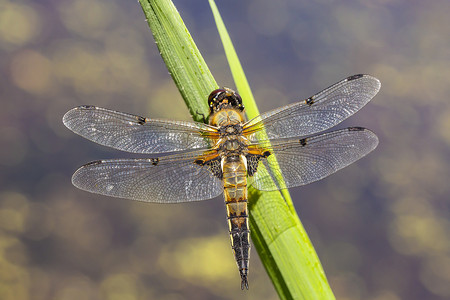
169	179
136	134
317	113
303	161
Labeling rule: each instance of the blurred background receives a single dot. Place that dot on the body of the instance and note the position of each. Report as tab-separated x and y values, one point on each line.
380	227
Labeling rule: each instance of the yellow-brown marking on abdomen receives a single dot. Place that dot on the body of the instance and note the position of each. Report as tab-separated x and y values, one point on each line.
235	192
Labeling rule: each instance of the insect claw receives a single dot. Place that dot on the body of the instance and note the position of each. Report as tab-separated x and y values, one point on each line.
205	119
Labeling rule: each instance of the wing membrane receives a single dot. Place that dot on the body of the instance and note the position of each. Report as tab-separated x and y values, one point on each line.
136	134
317	113
303	161
169	179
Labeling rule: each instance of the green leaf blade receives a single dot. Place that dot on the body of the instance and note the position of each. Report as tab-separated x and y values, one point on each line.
181	55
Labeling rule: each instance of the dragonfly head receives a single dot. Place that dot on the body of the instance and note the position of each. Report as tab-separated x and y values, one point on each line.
224	98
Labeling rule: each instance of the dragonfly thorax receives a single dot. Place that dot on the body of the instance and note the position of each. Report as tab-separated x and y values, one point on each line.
233	145
227	119
233	159
227	130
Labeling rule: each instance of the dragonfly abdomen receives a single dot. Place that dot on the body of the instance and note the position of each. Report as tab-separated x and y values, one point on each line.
235	191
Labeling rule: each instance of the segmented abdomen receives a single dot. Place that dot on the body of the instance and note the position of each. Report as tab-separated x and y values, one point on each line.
235	191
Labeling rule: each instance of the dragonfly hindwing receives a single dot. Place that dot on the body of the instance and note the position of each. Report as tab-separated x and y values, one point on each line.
253	161
214	165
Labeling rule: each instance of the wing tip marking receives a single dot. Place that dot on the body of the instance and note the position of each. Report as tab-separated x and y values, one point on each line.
356	128
356	76
310	101
86	107
141	120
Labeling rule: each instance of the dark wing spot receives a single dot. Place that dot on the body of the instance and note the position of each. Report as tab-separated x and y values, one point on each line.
253	161
154	161
353	77
92	163
303	142
88	106
141	120
199	162
213	165
309	101
356	128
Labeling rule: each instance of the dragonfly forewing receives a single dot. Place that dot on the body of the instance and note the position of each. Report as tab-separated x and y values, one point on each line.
134	133
317	113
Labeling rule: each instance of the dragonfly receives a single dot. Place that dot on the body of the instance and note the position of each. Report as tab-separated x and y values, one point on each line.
279	149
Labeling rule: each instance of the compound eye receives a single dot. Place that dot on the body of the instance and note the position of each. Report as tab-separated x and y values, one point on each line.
238	98
239	101
214	94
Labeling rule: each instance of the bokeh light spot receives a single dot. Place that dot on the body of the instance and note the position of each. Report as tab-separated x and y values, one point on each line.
75	287
435	275
415	234
19	24
11	220
87	18
120	287
30	71
39	222
204	261
14	279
